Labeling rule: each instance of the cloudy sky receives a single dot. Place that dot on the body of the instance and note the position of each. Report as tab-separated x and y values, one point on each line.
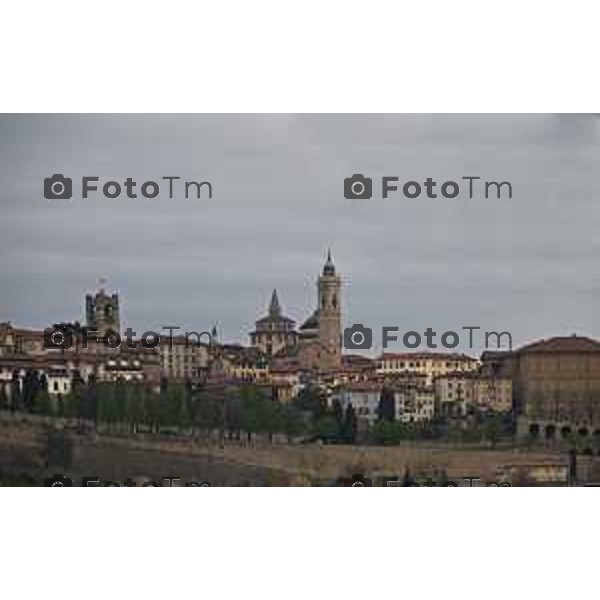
528	264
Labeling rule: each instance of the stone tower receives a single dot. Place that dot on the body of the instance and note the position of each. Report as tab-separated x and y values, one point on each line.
330	316
102	312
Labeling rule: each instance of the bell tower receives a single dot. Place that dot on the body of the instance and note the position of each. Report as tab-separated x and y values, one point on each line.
102	312
330	313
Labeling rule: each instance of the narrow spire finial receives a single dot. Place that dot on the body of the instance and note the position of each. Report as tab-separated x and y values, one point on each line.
274	307
329	268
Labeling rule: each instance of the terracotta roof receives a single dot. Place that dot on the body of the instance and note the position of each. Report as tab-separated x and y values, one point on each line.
573	343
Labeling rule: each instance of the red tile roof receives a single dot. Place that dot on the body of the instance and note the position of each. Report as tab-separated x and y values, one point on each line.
573	343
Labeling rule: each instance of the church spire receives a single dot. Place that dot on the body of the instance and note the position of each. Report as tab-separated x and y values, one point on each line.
329	268
274	307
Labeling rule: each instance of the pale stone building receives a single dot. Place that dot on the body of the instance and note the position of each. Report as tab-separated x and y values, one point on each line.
412	404
430	364
459	394
364	398
59	381
415	404
183	358
556	385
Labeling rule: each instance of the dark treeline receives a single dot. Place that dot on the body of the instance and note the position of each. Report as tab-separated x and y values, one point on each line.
238	412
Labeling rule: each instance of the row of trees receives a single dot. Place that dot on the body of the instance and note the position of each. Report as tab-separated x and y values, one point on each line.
489	430
235	412
332	423
176	407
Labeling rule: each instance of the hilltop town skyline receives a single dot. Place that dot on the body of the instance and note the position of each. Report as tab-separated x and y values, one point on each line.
296	249
277	205
245	338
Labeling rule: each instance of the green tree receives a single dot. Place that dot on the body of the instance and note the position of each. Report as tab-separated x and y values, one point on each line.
231	411
184	416
177	409
250	417
72	403
256	413
292	421
338	413
136	413
387	432
208	412
42	404
471	435
125	395
387	405
152	409
3	397
326	427
122	395
108	410
350	424
273	413
313	400
492	430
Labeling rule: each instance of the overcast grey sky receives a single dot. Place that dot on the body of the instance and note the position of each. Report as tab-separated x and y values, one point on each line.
527	264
